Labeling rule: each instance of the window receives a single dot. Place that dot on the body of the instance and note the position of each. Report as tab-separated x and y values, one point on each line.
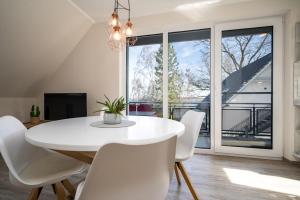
144	77
189	77
247	72
236	92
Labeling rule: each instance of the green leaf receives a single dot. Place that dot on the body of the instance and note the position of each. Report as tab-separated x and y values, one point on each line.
116	106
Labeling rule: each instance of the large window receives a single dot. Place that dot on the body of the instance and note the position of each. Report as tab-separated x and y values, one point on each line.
233	75
247	71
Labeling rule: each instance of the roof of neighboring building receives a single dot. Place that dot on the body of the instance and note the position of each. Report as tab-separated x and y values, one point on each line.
236	80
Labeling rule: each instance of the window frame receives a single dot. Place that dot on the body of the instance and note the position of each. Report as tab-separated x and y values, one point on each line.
277	80
277	151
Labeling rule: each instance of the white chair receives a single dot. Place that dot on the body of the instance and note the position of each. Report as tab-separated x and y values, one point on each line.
186	143
33	167
130	172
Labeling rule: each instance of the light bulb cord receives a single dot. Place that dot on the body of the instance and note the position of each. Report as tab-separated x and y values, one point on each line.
129	10
118	6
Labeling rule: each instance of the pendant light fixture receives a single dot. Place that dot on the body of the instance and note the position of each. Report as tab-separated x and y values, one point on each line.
120	35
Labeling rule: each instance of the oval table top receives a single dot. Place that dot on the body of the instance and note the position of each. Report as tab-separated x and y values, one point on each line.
77	134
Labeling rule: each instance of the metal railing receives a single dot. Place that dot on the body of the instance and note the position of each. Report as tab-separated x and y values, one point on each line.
256	120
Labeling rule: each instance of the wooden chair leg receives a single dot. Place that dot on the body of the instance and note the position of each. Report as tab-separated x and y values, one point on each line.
60	191
35	193
187	180
70	188
177	174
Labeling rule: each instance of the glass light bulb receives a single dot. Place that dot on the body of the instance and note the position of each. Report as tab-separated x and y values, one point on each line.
128	31
117	35
128	28
114	21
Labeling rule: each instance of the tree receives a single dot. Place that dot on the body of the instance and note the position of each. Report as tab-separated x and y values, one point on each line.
174	75
143	82
237	52
200	78
240	51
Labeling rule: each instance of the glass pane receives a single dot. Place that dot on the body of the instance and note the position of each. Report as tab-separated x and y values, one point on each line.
189	77
247	87
144	76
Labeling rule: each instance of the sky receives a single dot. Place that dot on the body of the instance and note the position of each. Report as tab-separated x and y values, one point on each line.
187	53
188	57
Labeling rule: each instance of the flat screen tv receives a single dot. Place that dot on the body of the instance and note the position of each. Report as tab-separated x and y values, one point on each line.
64	105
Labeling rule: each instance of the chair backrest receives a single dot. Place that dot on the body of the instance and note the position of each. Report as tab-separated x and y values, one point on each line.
16	152
193	122
131	172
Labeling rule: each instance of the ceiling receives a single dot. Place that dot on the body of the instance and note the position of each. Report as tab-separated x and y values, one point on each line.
100	10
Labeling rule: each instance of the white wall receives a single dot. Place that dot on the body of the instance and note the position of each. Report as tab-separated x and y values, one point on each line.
93	68
17	107
203	17
36	37
291	112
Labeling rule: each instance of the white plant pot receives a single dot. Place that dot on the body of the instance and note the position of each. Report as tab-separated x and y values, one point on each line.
111	118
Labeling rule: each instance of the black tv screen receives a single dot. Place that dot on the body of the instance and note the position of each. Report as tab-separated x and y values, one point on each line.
64	105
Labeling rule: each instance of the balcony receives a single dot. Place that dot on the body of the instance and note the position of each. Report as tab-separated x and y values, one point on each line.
243	124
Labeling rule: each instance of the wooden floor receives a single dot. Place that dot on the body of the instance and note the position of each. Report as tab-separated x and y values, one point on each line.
215	178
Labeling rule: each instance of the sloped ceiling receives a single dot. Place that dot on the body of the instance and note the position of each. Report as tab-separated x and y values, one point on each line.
35	38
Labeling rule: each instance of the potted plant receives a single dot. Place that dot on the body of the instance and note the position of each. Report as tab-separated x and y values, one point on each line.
113	110
35	114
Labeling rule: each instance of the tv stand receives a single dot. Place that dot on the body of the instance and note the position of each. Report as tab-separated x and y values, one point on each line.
29	125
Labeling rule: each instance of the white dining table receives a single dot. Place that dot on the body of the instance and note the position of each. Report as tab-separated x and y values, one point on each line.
77	138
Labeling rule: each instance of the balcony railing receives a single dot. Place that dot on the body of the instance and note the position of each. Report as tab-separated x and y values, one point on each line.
247	120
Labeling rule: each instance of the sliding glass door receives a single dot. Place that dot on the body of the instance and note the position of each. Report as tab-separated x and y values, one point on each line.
246	69
189	77
232	72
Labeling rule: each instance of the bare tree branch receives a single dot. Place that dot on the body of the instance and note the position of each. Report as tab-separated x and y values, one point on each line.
225	50
258	49
243	55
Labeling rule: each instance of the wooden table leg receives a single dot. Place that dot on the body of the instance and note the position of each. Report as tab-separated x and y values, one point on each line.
69	187
60	191
35	193
58	188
